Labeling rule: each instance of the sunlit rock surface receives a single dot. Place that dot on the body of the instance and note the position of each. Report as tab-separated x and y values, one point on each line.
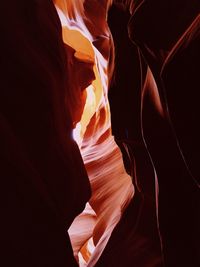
112	188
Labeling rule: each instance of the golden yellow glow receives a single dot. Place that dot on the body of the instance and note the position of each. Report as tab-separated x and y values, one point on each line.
84	51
